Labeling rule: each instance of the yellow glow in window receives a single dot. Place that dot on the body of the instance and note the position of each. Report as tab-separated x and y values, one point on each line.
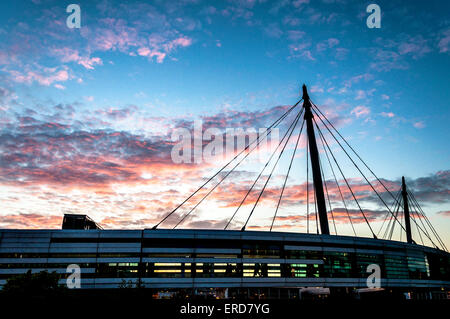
167	264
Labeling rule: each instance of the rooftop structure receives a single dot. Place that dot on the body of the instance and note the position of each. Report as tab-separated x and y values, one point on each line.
78	221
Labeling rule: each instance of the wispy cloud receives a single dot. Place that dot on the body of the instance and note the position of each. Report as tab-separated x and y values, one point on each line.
419	124
361	111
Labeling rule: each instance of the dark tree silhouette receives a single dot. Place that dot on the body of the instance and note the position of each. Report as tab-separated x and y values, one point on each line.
33	284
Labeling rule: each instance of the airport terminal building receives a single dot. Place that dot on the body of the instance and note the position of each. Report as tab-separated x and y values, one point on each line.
275	264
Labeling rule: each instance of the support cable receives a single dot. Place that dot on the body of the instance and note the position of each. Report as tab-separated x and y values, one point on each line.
337	184
379	180
273	169
391	220
287	175
268	130
414	207
429	237
316	108
393	207
357	167
328	196
386	231
345	179
316	213
418	231
429	223
215	186
267	163
393	225
402	219
417	226
307	186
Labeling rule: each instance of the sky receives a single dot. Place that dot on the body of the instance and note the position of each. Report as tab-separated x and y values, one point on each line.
87	114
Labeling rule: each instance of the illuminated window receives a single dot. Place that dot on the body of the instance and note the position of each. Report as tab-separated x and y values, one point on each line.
169	270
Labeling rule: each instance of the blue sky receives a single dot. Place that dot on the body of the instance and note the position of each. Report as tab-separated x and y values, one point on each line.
136	69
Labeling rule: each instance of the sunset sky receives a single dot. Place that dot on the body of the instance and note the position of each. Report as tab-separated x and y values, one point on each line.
87	115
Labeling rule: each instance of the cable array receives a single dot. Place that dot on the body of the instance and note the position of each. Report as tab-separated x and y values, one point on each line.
343	188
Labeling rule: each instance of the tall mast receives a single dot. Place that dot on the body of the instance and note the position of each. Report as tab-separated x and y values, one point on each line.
315	165
406	212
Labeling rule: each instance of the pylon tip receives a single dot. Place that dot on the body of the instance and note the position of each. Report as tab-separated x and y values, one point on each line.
305	92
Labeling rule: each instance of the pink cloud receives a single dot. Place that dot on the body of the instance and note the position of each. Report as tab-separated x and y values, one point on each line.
444	42
71	55
298	3
329	43
316	89
415	46
358	78
273	30
361	111
307	55
419	124
179	42
147	52
387	114
43	79
159	48
295	35
89	63
360	95
445	213
114	34
291	21
30	221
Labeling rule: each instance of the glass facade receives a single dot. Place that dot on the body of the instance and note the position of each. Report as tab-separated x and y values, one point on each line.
137	257
330	265
338	264
264	270
418	267
304	270
167	270
117	270
396	266
261	251
363	260
211	270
